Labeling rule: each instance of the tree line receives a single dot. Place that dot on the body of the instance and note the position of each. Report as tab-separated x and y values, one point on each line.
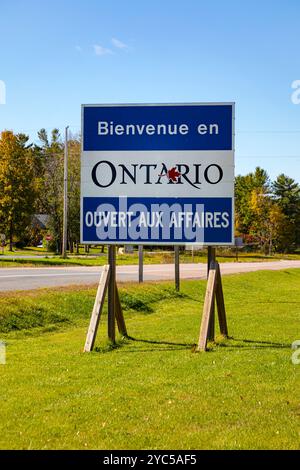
267	213
31	182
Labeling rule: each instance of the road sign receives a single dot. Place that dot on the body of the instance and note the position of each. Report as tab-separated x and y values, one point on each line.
157	174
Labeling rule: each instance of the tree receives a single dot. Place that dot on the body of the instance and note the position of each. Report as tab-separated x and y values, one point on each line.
287	194
244	186
281	230
17	184
260	206
74	192
270	227
49	164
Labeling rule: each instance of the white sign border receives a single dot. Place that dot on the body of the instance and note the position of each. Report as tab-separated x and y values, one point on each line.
114	105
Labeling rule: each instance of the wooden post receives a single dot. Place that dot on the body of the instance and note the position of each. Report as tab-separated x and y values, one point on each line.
221	304
213	290
97	310
119	315
211	258
177	268
208	308
141	261
107	283
111	307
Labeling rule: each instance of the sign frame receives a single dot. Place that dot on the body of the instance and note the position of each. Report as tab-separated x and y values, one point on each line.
155	242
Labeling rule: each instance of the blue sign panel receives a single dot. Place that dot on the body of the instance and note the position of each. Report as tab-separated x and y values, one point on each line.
167	220
190	127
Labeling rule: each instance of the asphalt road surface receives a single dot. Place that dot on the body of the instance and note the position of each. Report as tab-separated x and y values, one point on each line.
12	279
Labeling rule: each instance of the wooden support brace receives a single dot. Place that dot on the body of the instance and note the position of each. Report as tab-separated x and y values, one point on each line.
214	291
97	310
117	312
208	307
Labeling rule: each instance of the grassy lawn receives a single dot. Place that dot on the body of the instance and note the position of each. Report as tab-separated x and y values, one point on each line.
33	250
153	392
97	259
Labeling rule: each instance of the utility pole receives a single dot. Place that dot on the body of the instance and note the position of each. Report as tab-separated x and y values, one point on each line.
65	221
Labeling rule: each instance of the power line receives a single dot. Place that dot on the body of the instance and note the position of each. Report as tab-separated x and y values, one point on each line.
267	156
296	131
237	157
251	131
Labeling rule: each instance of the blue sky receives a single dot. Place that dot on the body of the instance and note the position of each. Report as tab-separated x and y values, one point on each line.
56	55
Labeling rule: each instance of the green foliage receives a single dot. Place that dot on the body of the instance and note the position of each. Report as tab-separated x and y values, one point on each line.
50	173
268	214
244	187
27	317
22	312
141	300
287	194
74	192
50	158
17	184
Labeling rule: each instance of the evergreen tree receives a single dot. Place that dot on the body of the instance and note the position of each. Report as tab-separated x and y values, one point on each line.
287	194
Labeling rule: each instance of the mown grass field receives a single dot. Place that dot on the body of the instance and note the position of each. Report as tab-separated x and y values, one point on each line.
153	392
96	259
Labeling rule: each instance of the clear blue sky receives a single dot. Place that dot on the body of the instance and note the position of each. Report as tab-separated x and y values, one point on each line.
56	55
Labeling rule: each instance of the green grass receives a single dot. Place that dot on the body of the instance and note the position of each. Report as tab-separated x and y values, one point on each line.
153	392
224	256
33	250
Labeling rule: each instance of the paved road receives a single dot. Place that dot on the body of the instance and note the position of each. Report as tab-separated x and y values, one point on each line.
12	279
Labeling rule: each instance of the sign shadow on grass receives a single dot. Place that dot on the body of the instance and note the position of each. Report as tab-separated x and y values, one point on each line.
171	346
156	345
253	344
